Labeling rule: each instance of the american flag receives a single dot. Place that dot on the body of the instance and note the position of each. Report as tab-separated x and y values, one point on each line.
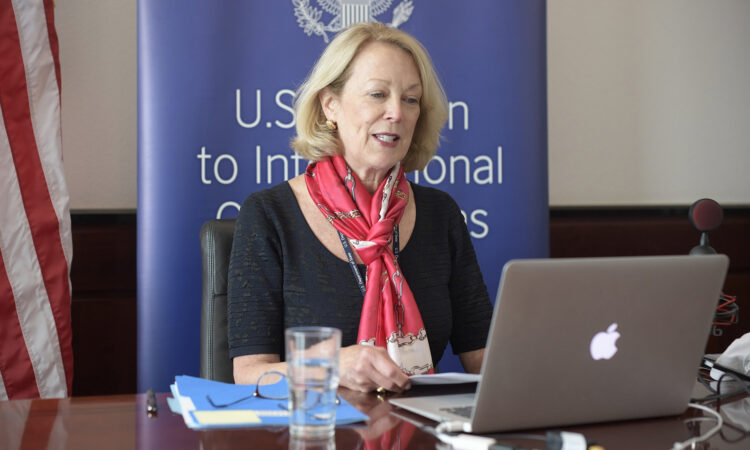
36	354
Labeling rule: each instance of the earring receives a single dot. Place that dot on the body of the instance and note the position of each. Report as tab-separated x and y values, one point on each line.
331	125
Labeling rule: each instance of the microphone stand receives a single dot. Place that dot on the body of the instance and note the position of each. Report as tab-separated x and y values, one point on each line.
706	215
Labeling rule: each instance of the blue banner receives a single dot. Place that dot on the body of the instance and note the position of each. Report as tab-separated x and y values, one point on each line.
216	84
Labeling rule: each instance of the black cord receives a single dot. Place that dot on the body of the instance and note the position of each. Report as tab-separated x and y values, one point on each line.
741	433
739	376
744	386
742	379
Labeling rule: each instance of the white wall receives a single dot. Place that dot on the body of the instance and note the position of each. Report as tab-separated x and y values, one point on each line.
649	101
99	98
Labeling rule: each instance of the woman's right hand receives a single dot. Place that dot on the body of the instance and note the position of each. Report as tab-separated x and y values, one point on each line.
365	368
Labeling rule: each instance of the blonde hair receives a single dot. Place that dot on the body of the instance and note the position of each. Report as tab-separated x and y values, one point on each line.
314	141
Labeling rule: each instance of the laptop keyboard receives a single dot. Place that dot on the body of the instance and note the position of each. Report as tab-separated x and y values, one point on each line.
463	411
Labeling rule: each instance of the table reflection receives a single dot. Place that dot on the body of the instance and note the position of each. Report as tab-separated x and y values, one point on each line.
122	422
382	430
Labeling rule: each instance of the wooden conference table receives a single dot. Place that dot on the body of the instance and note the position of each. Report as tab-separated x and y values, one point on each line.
120	421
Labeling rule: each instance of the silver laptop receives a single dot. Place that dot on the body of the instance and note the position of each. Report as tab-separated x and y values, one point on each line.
588	340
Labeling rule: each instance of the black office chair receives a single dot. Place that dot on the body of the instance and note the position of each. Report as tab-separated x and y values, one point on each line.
216	246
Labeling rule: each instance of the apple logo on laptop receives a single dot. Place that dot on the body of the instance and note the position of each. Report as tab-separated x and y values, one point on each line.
603	344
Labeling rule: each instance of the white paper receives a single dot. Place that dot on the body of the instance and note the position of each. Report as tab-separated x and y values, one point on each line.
445	378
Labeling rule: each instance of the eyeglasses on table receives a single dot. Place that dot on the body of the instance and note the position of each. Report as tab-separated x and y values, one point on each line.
263	393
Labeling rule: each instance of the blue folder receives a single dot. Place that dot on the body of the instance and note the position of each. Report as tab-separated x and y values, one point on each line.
199	413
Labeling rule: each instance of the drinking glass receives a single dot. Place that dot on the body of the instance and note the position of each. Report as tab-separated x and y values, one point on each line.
312	357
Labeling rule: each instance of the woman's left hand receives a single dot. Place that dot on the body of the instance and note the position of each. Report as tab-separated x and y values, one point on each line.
365	368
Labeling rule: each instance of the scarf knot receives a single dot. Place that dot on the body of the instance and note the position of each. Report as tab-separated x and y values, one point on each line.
378	242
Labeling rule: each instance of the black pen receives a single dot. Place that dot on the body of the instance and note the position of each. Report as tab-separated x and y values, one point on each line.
151	408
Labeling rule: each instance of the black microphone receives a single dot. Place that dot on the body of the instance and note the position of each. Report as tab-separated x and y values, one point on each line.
705	215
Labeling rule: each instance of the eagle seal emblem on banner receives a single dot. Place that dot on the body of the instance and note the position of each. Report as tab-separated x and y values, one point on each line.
345	13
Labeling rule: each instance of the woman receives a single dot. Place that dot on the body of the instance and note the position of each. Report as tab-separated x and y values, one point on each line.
350	243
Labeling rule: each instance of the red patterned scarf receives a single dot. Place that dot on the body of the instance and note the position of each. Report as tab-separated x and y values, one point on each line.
390	316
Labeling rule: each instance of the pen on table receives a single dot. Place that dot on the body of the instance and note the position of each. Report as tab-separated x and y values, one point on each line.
151	408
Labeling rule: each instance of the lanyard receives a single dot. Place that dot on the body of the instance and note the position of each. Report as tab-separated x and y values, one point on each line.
353	264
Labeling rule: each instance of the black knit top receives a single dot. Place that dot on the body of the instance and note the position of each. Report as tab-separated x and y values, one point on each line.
281	276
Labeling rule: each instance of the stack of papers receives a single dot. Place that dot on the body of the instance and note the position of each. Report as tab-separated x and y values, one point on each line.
191	394
445	378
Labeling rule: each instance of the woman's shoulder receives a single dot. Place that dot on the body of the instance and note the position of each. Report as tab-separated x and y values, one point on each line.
276	201
427	197
429	192
279	192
